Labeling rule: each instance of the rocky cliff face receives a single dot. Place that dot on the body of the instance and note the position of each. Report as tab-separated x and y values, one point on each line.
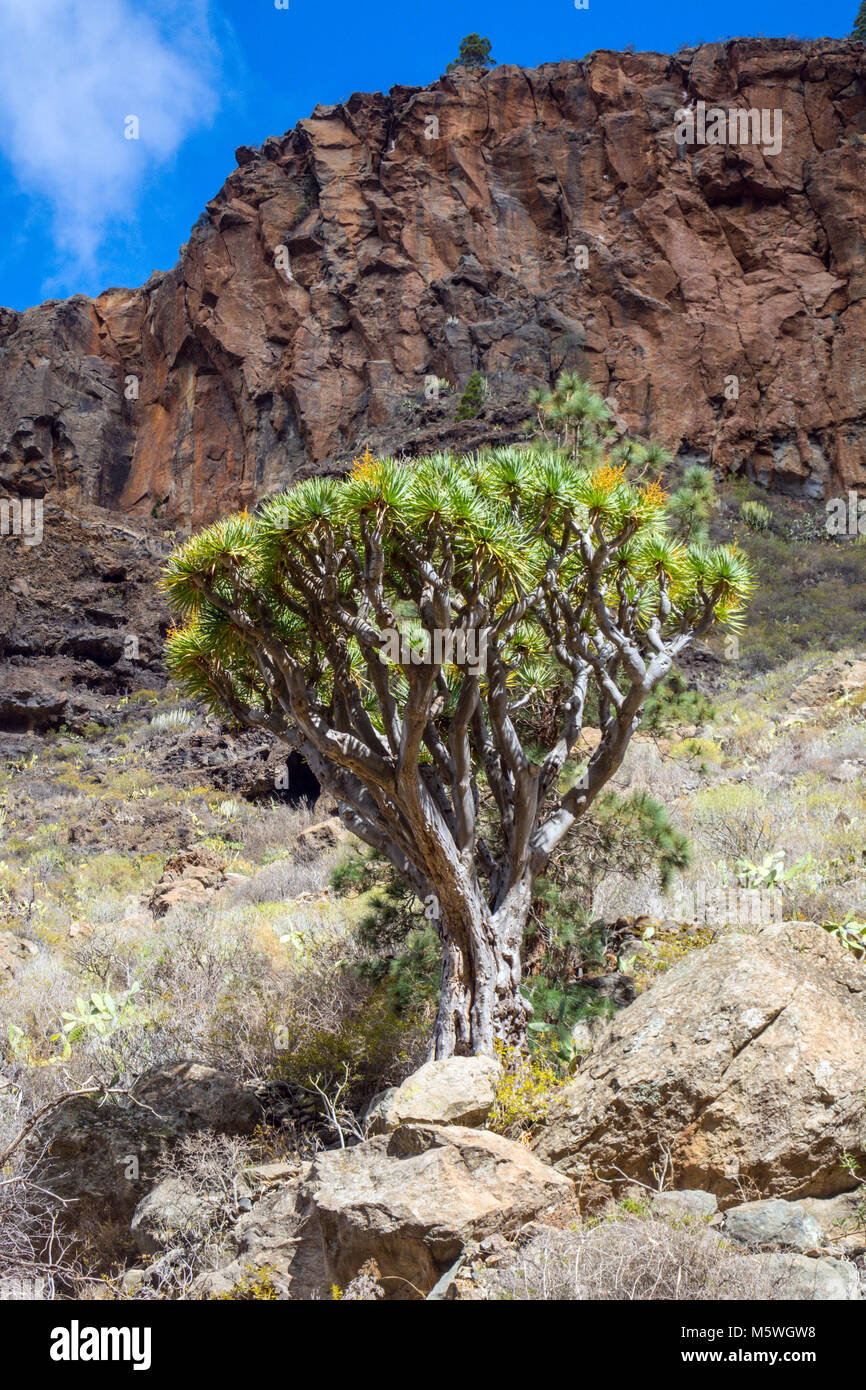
436	230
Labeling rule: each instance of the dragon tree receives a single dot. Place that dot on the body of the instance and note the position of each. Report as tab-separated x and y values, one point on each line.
395	625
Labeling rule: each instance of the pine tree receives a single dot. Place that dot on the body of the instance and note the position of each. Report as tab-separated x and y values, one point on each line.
859	30
472	399
562	943
474	53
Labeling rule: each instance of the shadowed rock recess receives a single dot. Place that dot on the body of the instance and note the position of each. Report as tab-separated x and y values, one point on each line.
434	231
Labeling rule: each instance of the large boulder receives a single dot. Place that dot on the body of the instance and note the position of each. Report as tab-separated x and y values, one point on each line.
281	1236
774	1223
843	678
28	701
745	1064
108	1154
200	1097
840	1219
453	1091
827	1280
689	1204
413	1199
410	1201
170	1211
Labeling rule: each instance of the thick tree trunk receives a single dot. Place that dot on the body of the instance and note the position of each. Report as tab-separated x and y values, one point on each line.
481	1002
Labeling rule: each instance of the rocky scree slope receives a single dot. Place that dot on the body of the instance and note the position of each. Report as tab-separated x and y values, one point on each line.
433	231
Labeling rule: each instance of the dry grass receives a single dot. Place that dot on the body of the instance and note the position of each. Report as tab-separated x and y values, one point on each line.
271	829
632	1259
206	1171
284	879
257	992
785	782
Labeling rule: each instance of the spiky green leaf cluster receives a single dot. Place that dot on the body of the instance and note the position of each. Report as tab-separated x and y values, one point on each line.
496	524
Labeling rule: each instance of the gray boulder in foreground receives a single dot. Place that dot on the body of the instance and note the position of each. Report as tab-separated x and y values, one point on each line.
745	1063
689	1202
773	1222
454	1091
823	1281
409	1201
413	1199
109	1154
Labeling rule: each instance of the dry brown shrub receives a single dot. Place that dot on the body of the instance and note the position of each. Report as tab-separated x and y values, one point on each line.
632	1258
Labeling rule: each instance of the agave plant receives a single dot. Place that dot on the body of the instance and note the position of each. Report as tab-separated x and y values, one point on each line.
170	721
756	516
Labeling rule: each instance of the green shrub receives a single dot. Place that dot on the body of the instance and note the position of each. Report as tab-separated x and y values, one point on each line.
662	947
365	1051
472	399
401	944
561	942
361	870
523	1092
850	933
412	983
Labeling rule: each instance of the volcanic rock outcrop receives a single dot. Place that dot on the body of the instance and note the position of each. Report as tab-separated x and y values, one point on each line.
513	222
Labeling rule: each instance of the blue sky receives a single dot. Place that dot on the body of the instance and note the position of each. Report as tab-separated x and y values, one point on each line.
85	208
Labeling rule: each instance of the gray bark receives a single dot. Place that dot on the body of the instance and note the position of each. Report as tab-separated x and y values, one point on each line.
411	789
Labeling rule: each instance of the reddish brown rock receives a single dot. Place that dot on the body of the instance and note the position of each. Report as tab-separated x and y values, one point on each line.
433	231
316	839
188	880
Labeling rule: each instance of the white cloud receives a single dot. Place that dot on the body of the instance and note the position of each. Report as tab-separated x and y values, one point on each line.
71	72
